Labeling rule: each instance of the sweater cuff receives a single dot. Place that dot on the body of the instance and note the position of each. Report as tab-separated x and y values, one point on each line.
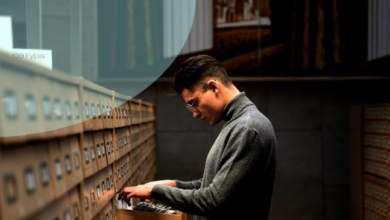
180	184
157	191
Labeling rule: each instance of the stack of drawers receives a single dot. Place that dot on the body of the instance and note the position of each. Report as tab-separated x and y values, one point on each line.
67	145
376	161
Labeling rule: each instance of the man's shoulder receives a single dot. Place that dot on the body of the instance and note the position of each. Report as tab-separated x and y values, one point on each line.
250	120
253	119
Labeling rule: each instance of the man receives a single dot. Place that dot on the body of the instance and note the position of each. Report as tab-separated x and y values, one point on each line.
240	168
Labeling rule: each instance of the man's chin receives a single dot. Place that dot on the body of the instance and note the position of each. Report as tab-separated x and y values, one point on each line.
213	123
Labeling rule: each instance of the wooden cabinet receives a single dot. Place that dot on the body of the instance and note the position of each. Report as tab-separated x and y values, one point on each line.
370	161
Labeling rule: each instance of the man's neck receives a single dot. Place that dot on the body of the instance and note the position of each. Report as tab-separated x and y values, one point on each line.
230	93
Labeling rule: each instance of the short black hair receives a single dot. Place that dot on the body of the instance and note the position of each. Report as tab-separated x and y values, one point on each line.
195	69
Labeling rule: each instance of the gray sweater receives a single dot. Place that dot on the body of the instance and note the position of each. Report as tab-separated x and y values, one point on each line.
239	173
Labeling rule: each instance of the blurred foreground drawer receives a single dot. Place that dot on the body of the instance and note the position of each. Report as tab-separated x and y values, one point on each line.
25	181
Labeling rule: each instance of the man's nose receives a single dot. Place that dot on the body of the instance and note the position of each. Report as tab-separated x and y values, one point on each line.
195	114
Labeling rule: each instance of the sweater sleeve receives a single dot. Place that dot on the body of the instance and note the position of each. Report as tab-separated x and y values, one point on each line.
241	155
195	184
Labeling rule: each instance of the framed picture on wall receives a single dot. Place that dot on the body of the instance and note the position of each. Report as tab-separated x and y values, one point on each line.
238	13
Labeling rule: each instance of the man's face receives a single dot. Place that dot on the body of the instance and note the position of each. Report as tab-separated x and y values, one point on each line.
206	104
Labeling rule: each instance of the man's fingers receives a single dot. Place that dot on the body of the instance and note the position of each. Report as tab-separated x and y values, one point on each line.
125	192
128	201
120	195
139	192
129	196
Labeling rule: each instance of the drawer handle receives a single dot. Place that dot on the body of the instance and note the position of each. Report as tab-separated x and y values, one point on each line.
86	204
10	189
93	199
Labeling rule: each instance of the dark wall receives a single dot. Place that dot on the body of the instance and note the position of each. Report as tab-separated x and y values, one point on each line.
311	124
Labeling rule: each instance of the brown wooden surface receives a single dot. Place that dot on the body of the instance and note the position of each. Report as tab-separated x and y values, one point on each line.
142	215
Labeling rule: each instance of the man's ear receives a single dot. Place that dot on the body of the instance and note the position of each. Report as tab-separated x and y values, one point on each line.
214	86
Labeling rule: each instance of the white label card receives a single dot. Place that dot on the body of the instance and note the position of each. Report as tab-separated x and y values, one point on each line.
40	57
6	39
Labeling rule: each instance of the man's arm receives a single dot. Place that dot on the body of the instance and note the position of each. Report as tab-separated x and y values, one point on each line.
171	183
144	191
242	156
195	184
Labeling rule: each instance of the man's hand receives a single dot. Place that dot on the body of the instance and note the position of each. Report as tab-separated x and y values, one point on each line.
171	183
142	192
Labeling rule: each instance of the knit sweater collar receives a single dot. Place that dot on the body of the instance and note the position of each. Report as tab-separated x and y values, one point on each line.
235	106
